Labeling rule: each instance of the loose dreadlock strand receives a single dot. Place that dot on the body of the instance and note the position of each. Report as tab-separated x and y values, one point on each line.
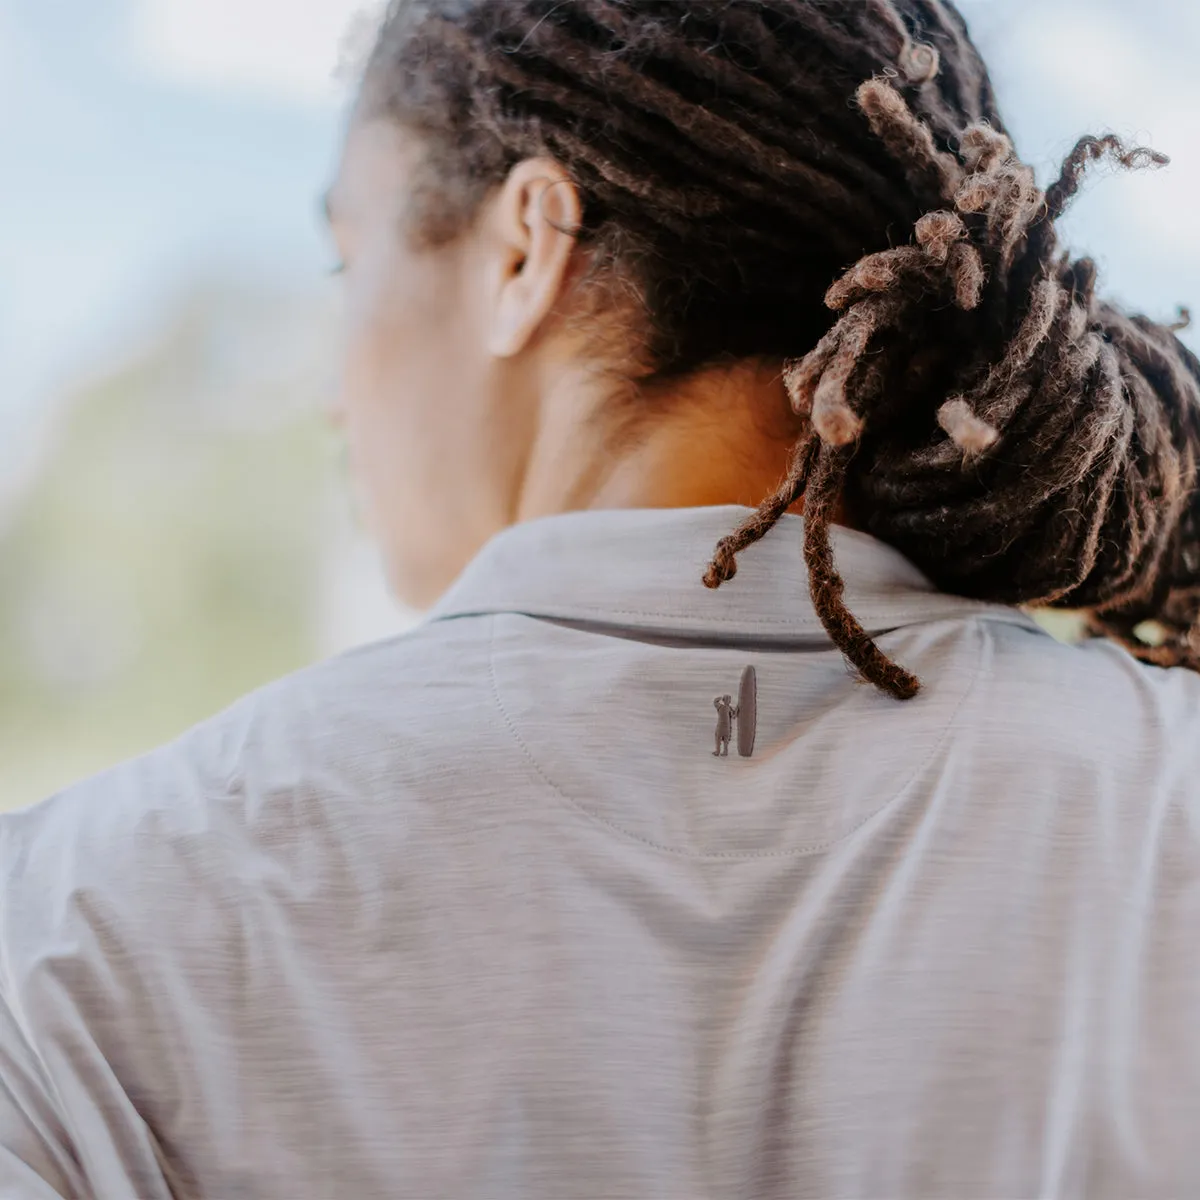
1089	150
821	496
745	169
723	566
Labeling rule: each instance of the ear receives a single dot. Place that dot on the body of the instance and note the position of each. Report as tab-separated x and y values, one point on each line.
535	218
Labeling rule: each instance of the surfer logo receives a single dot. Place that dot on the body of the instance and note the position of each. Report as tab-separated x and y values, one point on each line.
744	712
726	711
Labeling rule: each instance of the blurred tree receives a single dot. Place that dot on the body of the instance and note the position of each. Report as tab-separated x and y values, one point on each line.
168	556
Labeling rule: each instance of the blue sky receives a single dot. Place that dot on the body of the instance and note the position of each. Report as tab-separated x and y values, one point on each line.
147	141
126	174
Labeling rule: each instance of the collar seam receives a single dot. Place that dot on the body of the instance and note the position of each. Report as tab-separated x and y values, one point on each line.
863	613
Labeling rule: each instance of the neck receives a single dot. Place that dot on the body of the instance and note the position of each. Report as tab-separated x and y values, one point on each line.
723	437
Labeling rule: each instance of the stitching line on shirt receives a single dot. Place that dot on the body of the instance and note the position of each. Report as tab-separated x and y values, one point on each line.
721	855
894	619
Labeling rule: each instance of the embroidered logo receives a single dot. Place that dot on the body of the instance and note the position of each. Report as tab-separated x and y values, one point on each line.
744	712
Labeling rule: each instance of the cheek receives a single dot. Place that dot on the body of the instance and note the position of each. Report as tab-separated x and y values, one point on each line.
407	375
396	358
386	331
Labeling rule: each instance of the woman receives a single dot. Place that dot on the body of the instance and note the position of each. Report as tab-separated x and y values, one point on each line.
695	348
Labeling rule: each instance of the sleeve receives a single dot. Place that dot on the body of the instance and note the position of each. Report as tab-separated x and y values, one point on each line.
36	1158
72	1017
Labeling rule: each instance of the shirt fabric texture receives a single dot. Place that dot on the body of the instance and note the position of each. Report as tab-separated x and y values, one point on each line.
476	912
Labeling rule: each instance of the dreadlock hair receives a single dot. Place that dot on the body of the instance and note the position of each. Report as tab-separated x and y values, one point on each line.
963	393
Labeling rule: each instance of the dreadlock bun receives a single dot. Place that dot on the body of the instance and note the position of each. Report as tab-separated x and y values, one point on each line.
1068	473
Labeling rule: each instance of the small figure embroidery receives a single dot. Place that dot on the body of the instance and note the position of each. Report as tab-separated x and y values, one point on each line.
745	712
726	711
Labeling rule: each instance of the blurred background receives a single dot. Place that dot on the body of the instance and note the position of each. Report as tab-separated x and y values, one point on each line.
174	521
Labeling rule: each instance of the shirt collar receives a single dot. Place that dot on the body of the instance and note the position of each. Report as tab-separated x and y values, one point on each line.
640	569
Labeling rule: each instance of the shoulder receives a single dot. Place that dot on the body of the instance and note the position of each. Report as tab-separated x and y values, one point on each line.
1091	704
163	834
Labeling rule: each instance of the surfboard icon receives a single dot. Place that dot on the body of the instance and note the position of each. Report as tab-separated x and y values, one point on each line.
747	712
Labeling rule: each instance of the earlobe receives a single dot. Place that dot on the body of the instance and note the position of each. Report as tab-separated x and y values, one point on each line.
515	315
538	213
509	333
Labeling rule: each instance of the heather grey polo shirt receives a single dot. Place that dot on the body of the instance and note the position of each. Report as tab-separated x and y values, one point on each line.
500	909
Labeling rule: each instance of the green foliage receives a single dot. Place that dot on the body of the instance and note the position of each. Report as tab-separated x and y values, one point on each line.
168	557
